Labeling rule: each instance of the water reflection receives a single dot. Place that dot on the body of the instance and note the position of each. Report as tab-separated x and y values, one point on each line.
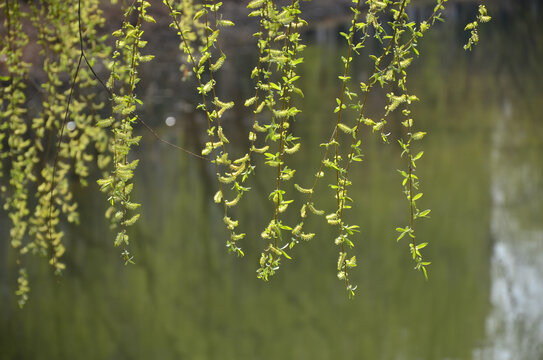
515	324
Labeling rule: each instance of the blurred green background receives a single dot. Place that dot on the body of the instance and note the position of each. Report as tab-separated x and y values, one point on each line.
187	298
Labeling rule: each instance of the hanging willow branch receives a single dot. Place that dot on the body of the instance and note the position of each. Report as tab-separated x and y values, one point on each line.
40	153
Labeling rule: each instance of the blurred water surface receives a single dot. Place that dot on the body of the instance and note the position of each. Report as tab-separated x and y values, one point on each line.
186	298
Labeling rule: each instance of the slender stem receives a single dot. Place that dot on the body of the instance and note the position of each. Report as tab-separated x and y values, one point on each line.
204	102
285	98
338	121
